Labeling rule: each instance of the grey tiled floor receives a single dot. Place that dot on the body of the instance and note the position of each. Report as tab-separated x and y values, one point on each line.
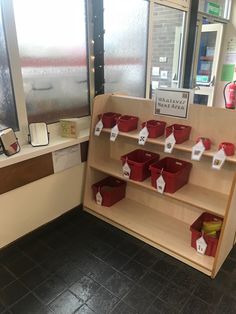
79	264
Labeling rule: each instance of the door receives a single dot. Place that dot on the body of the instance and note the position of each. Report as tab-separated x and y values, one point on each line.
206	62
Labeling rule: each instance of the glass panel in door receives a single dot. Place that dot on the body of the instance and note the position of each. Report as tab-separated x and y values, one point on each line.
167	47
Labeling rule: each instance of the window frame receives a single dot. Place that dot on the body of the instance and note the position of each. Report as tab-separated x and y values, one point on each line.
174	4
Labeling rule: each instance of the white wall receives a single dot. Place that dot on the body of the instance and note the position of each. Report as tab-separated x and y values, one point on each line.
230	31
28	207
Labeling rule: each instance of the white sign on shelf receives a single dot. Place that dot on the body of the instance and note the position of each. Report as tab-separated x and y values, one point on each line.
197	151
98	128
99	198
155	71
172	102
160	182
114	133
218	159
169	143
126	170
143	135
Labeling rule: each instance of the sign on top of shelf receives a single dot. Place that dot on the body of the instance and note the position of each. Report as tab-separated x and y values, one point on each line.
172	102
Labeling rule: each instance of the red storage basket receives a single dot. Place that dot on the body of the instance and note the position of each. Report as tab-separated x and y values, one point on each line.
175	173
181	132
205	141
127	123
155	128
196	228
229	148
109	119
139	161
111	189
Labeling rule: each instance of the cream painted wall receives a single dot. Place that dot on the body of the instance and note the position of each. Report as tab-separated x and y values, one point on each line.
230	31
28	207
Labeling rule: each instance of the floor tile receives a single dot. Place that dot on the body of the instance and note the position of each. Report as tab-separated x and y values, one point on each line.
84	309
103	301
69	273
85	288
196	306
29	305
139	299
50	289
208	293
134	270
129	247
38	251
165	269
10	253
119	284
99	248
227	305
66	303
99	271
123	308
5	277
186	279
160	306
55	261
145	257
2	307
116	259
229	265
174	296
20	265
153	282
35	277
13	292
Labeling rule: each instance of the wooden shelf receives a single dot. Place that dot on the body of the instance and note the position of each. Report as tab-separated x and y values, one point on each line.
197	196
162	230
186	146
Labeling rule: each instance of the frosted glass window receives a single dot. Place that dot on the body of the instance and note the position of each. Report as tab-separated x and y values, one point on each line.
8	117
125	42
167	47
219	8
52	43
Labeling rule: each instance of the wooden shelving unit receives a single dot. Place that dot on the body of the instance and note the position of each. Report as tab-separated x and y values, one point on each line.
164	220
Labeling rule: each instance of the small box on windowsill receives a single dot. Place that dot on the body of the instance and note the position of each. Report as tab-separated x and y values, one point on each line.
71	127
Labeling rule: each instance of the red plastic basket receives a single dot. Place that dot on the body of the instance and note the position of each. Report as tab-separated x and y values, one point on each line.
109	119
229	148
181	132
155	128
127	123
205	141
175	173
196	228
111	189
139	161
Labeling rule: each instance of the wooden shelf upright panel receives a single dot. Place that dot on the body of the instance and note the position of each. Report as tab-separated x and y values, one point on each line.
164	220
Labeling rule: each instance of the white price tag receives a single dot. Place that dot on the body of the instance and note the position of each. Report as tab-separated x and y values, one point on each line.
98	128
198	150
126	170
219	159
160	184
143	135
169	143
114	133
99	198
201	245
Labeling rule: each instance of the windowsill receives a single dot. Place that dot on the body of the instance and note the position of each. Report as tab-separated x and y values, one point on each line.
27	151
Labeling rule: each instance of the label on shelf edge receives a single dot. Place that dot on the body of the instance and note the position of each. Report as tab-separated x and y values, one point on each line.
99	198
169	143
114	133
197	151
143	135
98	128
126	170
218	159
